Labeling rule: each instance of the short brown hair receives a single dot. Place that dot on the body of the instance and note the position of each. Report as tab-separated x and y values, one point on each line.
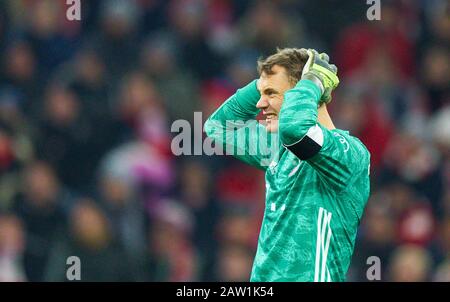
292	59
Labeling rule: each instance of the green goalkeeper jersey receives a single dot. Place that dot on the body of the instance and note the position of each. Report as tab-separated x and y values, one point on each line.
317	184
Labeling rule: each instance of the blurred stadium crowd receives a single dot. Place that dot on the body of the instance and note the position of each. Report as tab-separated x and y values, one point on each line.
85	112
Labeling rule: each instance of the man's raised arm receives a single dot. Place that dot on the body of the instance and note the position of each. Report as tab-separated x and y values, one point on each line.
234	126
334	157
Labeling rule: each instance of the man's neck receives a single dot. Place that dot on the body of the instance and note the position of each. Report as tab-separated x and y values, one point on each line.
324	118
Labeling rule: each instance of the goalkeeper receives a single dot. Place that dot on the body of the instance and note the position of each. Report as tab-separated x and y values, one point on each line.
317	183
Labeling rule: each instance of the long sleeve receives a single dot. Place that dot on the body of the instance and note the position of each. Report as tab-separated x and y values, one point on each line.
234	126
334	154
299	112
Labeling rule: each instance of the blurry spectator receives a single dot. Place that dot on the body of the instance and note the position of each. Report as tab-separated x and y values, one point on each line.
437	15
16	148
67	138
410	263
154	15
142	167
416	162
140	111
239	184
236	226
12	244
241	69
436	77
117	38
234	263
176	84
374	129
265	28
172	256
91	239
400	197
127	217
321	32
417	225
3	25
90	83
442	242
19	76
350	113
377	235
358	41
188	20
46	35
42	207
222	36
439	127
141	116
196	192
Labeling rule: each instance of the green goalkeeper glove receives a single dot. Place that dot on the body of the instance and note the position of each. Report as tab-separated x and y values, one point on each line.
319	70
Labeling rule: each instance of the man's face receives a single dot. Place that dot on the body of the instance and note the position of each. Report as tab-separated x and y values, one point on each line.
272	88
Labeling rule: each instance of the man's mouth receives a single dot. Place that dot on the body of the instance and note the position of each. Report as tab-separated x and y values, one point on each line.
270	116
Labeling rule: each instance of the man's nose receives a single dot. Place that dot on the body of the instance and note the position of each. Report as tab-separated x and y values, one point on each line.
262	103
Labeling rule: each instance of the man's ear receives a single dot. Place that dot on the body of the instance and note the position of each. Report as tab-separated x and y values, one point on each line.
293	82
